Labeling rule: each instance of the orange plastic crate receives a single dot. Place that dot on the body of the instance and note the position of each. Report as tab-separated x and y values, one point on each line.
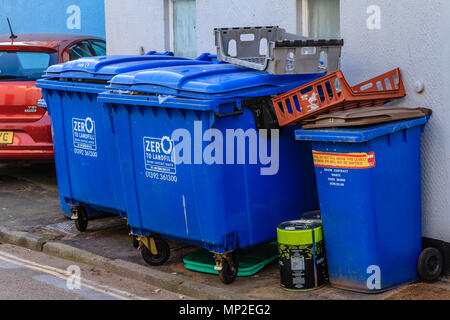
332	93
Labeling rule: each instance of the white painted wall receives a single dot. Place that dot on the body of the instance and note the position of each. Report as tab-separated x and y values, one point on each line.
134	23
413	36
237	13
131	24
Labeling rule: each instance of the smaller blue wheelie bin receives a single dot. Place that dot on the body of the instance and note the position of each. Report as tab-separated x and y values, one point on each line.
192	144
86	159
369	185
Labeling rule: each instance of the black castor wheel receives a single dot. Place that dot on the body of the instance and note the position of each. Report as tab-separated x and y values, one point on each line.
430	264
135	241
81	222
229	272
156	259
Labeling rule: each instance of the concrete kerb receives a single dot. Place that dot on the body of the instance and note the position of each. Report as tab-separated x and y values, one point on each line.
171	282
22	239
151	276
65	251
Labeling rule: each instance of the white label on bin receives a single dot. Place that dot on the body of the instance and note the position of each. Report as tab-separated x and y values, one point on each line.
159	157
336	177
84	137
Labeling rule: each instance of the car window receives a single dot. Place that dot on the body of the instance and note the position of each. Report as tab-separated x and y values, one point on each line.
79	50
99	47
24	65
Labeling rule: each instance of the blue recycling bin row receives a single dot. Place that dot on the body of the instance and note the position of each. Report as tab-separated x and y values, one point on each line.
146	138
369	186
174	146
86	159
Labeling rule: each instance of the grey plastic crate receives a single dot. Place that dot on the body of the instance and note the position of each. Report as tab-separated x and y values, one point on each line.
273	50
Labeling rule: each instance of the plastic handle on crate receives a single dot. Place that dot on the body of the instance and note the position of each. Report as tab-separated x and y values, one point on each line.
225	57
395	81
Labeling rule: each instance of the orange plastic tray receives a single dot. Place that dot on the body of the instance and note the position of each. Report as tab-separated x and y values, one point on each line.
332	93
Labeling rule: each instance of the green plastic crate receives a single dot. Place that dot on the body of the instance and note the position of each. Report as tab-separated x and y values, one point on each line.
250	260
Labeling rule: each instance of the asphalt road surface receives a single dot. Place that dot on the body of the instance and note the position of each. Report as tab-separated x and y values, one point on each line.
30	275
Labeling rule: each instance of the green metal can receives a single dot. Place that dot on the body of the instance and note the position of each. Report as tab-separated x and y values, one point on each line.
301	252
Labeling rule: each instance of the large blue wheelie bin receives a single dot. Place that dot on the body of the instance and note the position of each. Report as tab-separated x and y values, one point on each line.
194	164
86	159
369	184
65	208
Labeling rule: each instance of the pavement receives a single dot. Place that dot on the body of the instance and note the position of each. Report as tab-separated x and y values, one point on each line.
31	217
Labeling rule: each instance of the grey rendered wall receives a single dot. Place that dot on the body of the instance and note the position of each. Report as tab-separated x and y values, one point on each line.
414	35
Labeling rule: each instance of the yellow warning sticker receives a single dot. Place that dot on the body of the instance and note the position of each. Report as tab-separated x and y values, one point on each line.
344	160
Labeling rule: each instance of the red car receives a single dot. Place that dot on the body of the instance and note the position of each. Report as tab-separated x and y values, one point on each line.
25	128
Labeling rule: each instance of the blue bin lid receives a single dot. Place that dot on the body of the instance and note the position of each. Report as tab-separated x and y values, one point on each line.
106	67
208	81
357	135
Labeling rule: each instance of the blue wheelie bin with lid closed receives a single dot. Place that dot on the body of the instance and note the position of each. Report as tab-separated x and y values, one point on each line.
195	166
86	159
369	186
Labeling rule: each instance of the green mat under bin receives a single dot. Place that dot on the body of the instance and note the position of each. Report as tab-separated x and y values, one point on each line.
250	260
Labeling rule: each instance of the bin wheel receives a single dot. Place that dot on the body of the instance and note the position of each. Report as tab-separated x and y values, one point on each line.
430	264
229	273
156	259
135	241
81	222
